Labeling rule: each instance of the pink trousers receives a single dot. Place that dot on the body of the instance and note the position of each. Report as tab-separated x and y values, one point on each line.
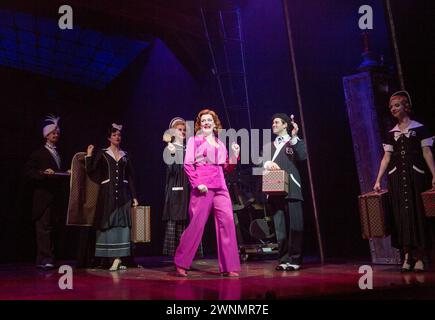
200	207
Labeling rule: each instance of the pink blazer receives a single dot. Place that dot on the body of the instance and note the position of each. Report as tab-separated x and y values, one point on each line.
206	164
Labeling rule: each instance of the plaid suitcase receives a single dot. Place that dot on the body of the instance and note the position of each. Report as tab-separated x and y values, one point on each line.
141	224
429	202
373	208
275	182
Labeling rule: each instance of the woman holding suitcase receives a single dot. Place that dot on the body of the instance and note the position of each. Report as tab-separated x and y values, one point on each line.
409	163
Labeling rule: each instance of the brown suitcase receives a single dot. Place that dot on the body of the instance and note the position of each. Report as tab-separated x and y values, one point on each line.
83	194
141	224
275	182
429	202
373	209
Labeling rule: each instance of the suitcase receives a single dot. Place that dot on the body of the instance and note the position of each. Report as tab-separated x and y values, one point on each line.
83	194
429	202
275	182
373	209
141	224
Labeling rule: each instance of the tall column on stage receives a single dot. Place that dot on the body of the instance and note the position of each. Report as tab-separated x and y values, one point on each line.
301	114
366	96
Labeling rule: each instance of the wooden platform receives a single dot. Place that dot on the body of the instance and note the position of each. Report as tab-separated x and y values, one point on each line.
155	279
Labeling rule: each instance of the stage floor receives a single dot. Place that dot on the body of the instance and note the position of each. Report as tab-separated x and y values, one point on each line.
258	280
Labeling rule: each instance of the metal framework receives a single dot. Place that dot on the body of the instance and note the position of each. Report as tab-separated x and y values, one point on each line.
223	31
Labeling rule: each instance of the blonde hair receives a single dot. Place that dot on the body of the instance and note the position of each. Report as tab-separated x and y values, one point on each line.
402	98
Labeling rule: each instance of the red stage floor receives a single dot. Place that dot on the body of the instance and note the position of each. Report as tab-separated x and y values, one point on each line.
258	280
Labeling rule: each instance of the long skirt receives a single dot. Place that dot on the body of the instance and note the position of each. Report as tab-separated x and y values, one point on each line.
411	228
113	242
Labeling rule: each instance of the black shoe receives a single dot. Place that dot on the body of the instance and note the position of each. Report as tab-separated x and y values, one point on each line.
46	266
49	266
281	267
292	267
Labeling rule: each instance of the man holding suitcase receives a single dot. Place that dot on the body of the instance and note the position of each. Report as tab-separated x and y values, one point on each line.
287	209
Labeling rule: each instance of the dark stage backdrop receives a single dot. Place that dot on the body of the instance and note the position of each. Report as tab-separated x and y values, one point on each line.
415	33
149	93
157	87
328	46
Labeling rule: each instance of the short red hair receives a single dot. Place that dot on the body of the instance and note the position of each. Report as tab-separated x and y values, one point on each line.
217	122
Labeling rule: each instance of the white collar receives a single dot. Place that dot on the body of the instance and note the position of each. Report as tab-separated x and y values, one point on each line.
412	125
50	146
280	145
110	153
282	138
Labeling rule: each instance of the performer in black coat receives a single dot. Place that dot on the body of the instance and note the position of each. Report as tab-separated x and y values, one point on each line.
112	168
45	170
177	186
177	190
287	210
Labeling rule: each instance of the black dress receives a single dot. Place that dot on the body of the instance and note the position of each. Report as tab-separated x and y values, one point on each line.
175	211
176	206
408	177
177	188
112	216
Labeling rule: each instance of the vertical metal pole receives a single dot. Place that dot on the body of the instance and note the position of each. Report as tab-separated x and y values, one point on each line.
299	100
395	46
239	24
215	66
224	43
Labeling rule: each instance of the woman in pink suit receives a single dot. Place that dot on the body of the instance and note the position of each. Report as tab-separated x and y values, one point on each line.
205	162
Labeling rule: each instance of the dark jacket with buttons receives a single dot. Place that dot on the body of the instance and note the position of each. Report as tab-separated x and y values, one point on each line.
116	191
